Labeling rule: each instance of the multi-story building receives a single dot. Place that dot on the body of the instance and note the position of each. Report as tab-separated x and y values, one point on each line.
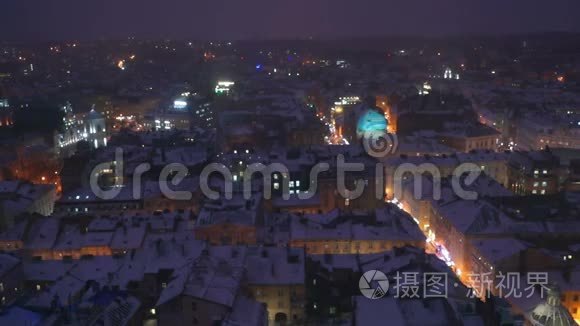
207	292
471	137
230	222
534	173
399	168
276	277
342	233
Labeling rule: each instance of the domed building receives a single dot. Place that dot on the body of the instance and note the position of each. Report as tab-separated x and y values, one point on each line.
551	312
372	120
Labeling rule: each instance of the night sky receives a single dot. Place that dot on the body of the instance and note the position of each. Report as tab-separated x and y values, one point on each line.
31	20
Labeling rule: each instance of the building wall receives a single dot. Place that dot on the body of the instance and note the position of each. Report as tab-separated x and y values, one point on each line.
535	184
185	310
226	234
495	169
11	284
11	245
281	299
351	246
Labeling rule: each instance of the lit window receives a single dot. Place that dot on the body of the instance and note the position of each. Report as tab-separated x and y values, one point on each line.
536	184
276	185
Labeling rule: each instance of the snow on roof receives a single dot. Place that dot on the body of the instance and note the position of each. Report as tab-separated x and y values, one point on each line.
188	156
98	268
45	270
269	265
386	223
69	238
377	312
246	311
153	188
103	224
17	232
97	239
7	263
295	200
43	233
62	291
422	145
120	311
210	277
474	216
334	262
9	186
236	210
495	250
166	251
19	316
455	159
128	237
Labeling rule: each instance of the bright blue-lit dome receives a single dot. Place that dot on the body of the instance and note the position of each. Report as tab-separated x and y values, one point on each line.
371	121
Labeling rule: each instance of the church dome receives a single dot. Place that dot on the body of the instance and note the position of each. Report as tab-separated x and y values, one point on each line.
372	120
551	312
94	115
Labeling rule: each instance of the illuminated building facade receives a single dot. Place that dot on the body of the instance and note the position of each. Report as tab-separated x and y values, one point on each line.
6	114
96	129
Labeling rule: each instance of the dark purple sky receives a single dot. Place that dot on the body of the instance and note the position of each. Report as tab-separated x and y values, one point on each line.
241	19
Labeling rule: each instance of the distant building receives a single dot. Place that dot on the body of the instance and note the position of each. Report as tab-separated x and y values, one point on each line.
534	173
17	197
96	129
6	113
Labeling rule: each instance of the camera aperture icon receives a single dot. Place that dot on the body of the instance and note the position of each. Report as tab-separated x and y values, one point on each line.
373	284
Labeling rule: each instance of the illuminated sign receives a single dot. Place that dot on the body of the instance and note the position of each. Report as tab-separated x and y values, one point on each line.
224	87
179	104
